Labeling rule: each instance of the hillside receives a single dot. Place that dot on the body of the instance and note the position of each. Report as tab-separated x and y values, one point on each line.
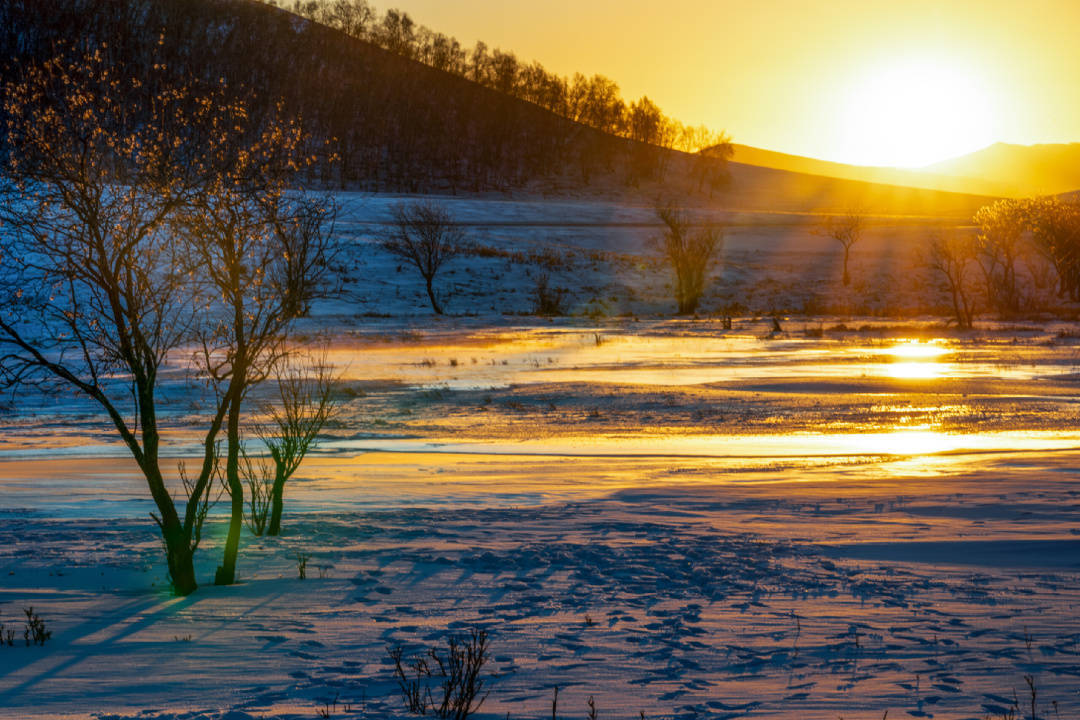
396	124
1048	169
399	125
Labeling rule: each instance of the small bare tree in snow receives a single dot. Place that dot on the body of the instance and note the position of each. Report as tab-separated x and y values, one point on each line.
426	236
952	256
304	404
846	229
448	684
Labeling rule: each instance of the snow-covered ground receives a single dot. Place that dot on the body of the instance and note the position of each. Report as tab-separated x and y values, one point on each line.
603	255
839	519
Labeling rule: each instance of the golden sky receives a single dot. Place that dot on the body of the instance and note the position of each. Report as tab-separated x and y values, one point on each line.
902	82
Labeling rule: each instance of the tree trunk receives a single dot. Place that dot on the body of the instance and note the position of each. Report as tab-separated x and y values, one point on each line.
179	553
969	312
680	290
847	278
431	296
957	311
277	504
226	572
181	559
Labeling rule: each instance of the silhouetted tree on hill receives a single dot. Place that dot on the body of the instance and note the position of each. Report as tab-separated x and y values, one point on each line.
593	101
393	101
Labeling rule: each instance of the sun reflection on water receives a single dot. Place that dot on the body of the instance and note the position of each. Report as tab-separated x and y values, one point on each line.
918	360
908	441
918	349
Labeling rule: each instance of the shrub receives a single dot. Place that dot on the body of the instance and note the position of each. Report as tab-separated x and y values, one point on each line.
35	632
689	253
547	301
458	689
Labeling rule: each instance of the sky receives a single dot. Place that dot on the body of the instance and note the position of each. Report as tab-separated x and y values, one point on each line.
898	82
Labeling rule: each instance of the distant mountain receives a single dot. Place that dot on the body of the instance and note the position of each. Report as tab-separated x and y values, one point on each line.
400	125
1024	170
889	176
754	187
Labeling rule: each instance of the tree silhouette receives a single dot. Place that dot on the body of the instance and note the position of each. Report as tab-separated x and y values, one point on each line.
951	255
97	167
394	101
140	217
999	246
262	253
846	229
1055	229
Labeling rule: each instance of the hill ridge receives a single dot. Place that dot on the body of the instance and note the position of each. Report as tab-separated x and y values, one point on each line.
402	126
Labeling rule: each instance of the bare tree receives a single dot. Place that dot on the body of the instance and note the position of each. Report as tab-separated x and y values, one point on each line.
426	236
951	255
711	153
259	477
352	17
689	252
646	125
303	406
397	32
846	229
263	252
92	300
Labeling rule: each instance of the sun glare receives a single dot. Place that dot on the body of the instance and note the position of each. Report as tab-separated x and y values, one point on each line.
914	112
914	360
917	349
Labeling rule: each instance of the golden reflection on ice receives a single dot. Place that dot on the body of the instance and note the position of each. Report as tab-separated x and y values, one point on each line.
901	442
498	360
916	360
912	441
918	349
916	370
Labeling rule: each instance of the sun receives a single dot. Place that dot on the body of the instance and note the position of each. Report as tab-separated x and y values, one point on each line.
914	111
